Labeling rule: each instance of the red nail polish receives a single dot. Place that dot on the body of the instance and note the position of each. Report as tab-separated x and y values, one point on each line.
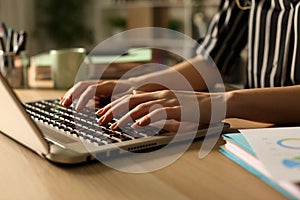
101	119
99	112
114	126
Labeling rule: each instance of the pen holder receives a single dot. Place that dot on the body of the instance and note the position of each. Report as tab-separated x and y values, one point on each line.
14	68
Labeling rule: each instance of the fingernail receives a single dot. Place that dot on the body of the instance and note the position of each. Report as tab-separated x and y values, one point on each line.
99	112
77	108
101	119
114	126
136	125
61	100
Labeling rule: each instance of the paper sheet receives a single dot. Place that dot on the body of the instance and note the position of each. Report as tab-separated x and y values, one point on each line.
278	149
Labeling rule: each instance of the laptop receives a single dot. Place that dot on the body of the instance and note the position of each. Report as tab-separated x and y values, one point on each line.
63	135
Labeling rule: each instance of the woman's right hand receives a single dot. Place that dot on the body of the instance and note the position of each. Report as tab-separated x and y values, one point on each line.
84	91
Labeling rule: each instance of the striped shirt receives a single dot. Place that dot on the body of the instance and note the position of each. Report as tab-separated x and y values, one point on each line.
270	29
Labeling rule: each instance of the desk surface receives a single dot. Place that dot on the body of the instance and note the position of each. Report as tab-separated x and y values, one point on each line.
24	175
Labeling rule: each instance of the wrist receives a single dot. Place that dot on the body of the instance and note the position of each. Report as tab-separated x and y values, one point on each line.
232	101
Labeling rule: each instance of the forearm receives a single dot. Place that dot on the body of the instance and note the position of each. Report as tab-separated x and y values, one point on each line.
271	105
191	71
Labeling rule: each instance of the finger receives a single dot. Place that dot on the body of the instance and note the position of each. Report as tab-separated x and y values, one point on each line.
86	96
75	92
106	112
66	99
105	108
159	114
136	113
102	89
136	99
129	102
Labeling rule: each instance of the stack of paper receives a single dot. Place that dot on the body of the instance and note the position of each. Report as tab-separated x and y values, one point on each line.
272	143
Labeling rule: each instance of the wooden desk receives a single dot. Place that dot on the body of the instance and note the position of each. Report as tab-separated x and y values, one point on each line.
24	175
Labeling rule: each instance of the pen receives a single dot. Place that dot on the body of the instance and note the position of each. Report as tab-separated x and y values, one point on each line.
4	29
21	41
15	42
9	41
2	39
2	44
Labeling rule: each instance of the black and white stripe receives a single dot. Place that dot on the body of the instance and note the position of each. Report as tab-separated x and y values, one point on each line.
295	66
272	28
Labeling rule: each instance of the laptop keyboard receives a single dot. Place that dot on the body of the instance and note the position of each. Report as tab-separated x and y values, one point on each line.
83	124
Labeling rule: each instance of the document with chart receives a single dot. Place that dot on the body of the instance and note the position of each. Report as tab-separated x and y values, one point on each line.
278	149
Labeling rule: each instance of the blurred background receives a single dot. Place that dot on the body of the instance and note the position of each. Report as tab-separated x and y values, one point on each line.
53	24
